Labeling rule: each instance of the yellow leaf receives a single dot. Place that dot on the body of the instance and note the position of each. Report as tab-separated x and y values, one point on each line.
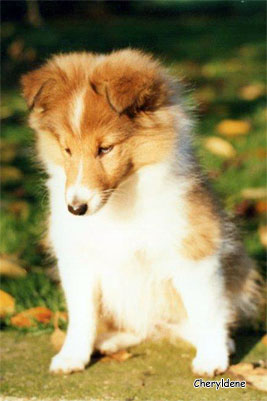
7	304
254	376
220	147
264	339
233	127
251	92
57	339
261	206
254	193
263	235
10	268
29	317
119	356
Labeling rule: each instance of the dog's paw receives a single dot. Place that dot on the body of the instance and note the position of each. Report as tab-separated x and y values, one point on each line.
64	364
210	364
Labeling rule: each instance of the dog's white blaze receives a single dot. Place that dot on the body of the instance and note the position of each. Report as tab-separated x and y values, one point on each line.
82	194
77	108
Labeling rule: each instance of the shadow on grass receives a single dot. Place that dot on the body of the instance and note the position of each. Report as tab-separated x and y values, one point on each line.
245	343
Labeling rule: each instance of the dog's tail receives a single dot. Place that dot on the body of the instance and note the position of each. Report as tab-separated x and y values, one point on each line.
246	291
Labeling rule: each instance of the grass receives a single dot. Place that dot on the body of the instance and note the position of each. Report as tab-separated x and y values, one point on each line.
218	56
156	371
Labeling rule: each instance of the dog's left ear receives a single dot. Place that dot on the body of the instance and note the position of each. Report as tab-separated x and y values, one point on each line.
132	82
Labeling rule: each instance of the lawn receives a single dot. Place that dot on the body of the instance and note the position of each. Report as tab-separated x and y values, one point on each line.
222	64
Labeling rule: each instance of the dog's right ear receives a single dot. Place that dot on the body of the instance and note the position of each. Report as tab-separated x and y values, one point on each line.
36	86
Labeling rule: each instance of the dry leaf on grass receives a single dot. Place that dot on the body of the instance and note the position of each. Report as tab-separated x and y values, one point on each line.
264	339
7	304
220	147
10	268
251	92
119	356
263	235
254	193
261	206
233	127
29	317
254	376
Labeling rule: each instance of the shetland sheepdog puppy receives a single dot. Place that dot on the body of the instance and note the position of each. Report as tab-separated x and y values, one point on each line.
139	239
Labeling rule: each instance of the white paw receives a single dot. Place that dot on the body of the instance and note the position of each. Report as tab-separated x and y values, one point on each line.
210	364
66	364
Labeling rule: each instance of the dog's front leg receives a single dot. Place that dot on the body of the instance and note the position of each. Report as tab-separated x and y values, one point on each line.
79	288
201	286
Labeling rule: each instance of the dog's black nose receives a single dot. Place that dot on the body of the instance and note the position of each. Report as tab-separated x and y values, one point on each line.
79	210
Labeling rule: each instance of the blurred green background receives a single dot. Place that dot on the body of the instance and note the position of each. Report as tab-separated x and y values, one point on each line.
218	50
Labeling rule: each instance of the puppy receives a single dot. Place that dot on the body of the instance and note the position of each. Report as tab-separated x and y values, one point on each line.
139	239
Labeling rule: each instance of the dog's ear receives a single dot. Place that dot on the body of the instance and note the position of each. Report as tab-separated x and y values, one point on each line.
36	86
131	81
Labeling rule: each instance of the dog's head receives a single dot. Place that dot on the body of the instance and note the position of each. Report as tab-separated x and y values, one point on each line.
99	119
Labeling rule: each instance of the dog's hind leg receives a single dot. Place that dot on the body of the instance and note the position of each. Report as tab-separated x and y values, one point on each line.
108	343
201	287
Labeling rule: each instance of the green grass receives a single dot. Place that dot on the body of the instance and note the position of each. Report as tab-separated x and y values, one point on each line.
156	371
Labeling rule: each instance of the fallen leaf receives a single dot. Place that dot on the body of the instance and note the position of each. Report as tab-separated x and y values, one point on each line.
233	127
119	356
10	268
10	173
251	92
57	339
264	339
29	317
7	304
220	147
254	376
263	235
254	193
261	206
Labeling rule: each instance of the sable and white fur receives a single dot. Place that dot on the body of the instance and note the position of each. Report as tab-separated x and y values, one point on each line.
153	255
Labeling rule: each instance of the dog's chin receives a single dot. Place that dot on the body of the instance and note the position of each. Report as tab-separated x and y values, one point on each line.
95	209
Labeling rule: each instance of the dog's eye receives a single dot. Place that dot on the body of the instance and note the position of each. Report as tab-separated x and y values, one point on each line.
67	150
104	150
